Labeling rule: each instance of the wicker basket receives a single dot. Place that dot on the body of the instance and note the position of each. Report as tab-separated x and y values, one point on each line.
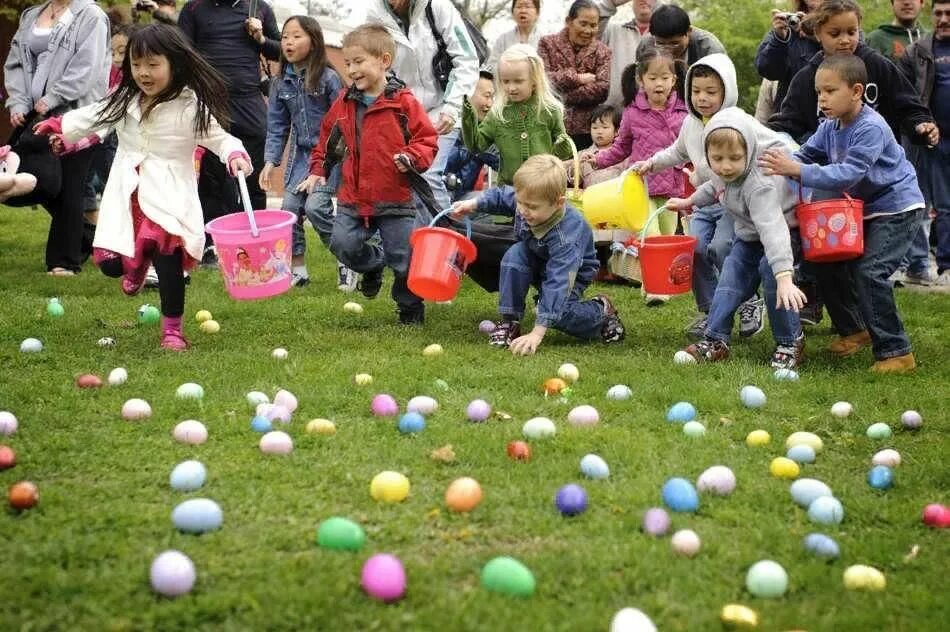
624	261
576	196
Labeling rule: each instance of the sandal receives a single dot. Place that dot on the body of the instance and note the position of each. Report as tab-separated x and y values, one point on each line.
61	272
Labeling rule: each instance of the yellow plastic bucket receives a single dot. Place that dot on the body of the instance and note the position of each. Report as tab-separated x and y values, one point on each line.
620	202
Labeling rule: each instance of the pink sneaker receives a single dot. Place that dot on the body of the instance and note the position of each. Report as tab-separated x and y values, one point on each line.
134	280
174	340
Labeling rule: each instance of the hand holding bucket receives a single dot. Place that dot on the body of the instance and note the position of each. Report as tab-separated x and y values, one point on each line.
439	259
620	201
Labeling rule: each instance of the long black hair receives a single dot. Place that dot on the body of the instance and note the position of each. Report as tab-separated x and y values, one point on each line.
188	69
316	61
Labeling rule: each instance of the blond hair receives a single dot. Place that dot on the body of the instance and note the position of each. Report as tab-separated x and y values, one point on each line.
373	38
725	137
541	176
541	87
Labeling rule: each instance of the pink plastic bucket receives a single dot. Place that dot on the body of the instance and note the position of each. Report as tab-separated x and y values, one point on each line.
254	267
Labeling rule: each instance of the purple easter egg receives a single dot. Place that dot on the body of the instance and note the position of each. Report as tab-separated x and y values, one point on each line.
571	500
385	405
656	522
384	578
278	413
486	327
478	410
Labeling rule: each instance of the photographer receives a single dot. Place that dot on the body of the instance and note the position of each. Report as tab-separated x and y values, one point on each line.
786	49
161	11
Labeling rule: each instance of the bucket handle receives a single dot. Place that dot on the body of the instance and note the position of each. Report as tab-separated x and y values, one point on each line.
801	199
246	200
653	216
468	222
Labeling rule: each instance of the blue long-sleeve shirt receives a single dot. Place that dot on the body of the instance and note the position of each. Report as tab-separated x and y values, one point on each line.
466	165
566	252
864	160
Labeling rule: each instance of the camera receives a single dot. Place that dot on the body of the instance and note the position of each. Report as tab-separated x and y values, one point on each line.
794	20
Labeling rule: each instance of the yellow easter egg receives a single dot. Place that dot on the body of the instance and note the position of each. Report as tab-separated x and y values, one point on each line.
782	467
202	315
389	487
861	577
210	327
757	438
738	616
321	426
805	438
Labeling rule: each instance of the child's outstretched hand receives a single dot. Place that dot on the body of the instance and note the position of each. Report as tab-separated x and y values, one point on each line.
591	157
526	344
683	206
775	162
310	183
931	131
242	164
788	296
643	167
462	208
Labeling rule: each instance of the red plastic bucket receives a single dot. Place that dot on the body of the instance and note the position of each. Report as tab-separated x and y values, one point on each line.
831	230
666	261
439	259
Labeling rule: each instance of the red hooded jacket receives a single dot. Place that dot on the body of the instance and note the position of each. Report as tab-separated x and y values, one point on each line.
396	123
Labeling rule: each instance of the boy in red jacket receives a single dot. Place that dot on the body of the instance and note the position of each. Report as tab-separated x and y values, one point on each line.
375	127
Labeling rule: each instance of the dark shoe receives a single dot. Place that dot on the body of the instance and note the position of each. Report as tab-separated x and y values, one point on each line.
612	330
504	334
298	280
371	283
696	329
899	364
708	350
209	259
751	317
845	346
412	315
811	313
789	356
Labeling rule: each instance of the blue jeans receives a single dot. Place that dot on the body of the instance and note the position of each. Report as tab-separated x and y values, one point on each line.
520	270
933	171
434	175
317	207
858	294
714	231
917	259
349	243
743	269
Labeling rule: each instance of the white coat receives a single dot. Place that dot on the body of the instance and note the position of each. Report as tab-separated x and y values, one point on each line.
162	148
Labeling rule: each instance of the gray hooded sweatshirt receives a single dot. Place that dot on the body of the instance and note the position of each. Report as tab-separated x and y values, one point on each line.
74	68
762	206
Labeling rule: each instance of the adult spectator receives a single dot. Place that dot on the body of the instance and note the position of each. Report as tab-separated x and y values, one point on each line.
578	66
891	40
525	14
233	43
670	28
59	59
786	48
622	40
416	48
161	10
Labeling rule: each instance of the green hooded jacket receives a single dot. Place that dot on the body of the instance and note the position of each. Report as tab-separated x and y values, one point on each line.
891	41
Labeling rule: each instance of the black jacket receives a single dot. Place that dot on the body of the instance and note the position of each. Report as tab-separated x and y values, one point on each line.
917	64
887	91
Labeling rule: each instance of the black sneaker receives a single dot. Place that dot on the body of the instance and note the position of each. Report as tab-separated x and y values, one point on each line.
811	313
612	330
299	280
789	356
751	317
209	259
371	283
696	329
504	334
412	315
708	350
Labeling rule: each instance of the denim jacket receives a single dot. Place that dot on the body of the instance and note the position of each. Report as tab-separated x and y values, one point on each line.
566	252
293	112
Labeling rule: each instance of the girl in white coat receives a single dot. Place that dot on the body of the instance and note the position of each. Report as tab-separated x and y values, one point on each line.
169	102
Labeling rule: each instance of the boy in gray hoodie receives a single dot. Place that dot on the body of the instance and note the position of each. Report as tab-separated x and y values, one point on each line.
762	209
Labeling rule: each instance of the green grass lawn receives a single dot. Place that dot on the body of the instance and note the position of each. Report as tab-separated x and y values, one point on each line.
80	558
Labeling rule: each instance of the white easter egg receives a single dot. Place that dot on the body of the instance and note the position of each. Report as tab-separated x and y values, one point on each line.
190	390
172	574
135	409
31	345
805	438
568	372
279	353
256	398
118	376
686	543
888	457
538	428
592	466
841	409
718	480
423	405
681	357
191	432
752	397
8	423
619	392
631	620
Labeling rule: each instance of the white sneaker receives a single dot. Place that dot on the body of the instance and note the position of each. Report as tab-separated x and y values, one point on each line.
943	281
927	277
898	278
656	300
151	278
347	279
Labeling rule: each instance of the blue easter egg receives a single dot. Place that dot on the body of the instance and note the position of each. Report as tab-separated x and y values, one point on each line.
571	500
680	495
881	477
197	515
826	510
412	422
261	424
805	490
681	412
752	397
188	476
801	453
821	545
592	466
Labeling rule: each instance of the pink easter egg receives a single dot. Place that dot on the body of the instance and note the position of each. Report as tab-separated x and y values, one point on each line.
276	442
135	409
384	578
278	413
190	431
384	405
286	399
486	326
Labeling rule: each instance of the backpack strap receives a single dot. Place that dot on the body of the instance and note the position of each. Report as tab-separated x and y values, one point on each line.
430	17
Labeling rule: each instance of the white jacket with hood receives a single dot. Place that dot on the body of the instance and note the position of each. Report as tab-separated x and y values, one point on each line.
416	49
762	206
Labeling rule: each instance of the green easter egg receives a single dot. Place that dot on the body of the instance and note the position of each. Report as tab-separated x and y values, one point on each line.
340	534
55	309
508	576
149	315
879	430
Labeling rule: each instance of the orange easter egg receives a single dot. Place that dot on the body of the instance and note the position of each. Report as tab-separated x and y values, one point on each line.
464	494
554	385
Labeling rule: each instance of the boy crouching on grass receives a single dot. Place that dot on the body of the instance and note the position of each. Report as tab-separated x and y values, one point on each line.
554	253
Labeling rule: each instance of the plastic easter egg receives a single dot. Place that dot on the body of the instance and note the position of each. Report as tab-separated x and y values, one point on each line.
441	384
888	457
389	487
197	515
190	431
256	398
879	430
278	413
463	494
23	495
202	315
826	510
89	380
583	416
881	477
340	534
286	399
571	500
785	375
821	546
433	350
352	308
412	423
568	372
54	308
553	386
519	451
172	574
656	522
841	409
190	390
188	476
718	480
936	515
681	412
276	442
805	490
686	543
210	327
801	453
384	578
752	397
135	409
384	405
911	420
592	466
694	429
118	376
737	616
680	495
486	327
631	620
805	438
619	392
757	438
261	424
7	458
148	315
538	428
785	468
31	345
362	379
861	577
682	357
508	576
8	423
280	353
423	405
478	410
321	426
766	579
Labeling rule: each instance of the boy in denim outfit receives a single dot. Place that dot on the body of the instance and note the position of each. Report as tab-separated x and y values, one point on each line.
555	253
